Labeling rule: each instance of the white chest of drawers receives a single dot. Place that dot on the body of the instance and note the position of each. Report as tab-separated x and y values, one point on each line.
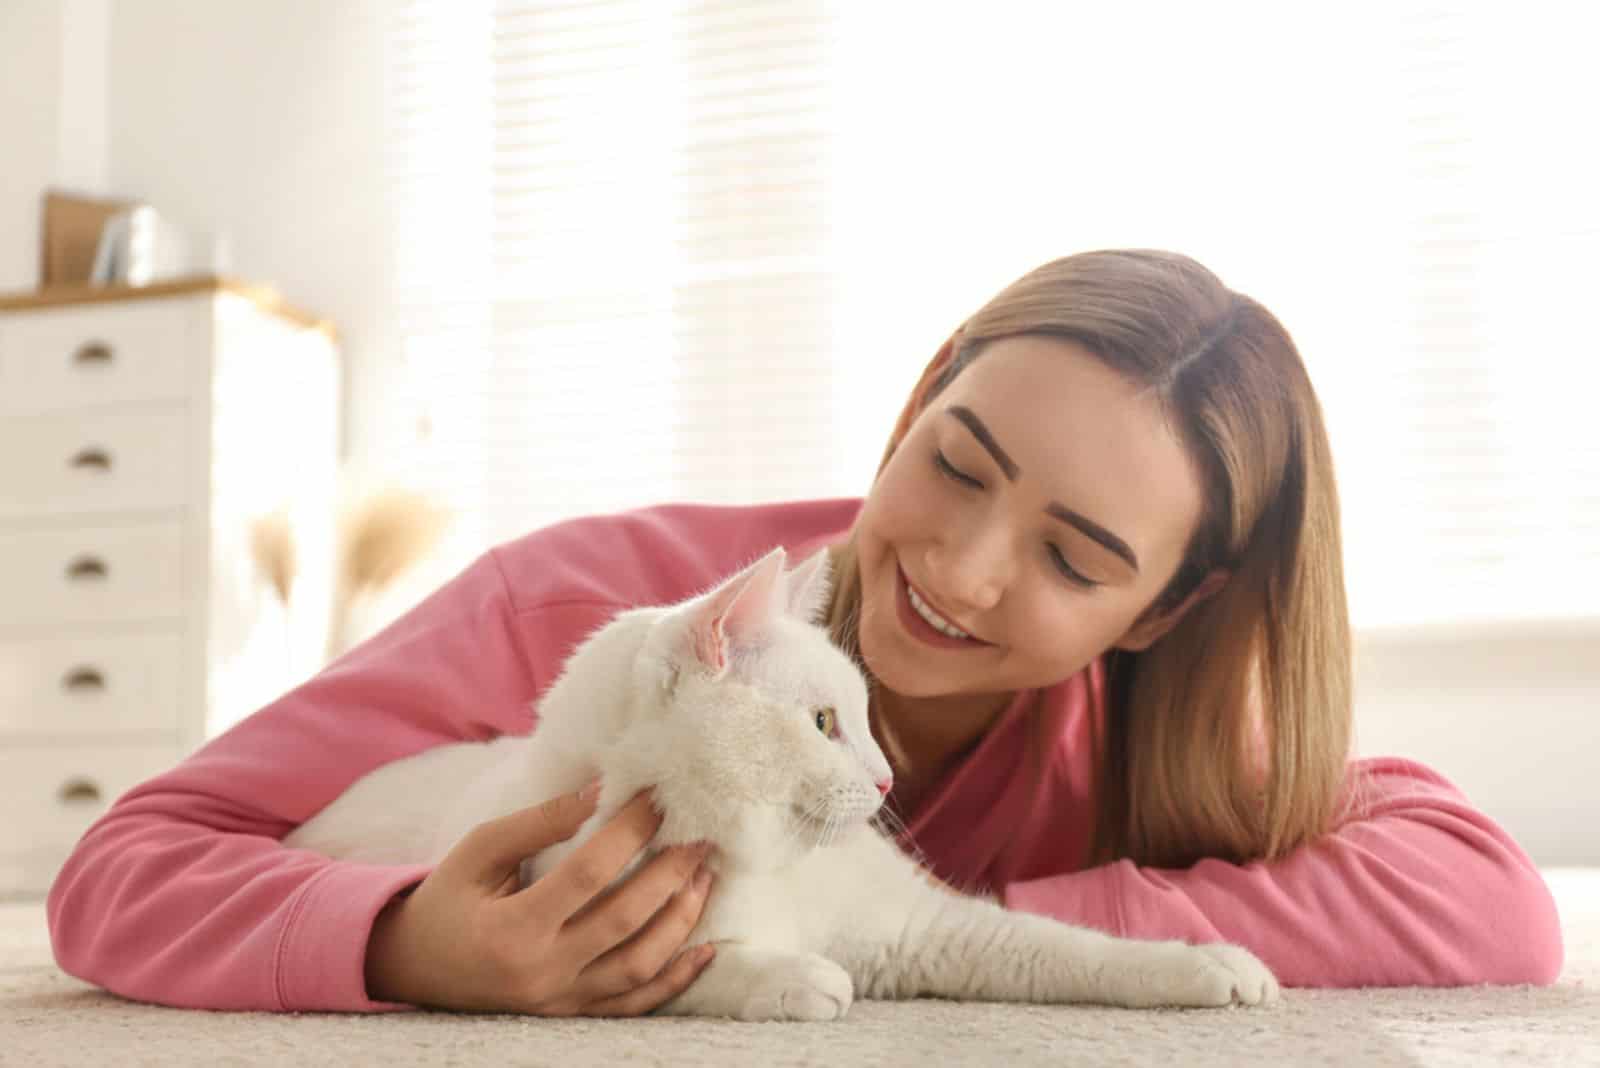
140	433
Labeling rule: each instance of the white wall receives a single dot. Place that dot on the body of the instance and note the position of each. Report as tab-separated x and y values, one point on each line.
261	123
1511	715
52	118
30	56
263	120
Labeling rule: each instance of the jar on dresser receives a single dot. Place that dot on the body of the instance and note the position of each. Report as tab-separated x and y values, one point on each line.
142	430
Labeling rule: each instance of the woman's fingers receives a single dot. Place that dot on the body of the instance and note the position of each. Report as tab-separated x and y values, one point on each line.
639	957
673	980
626	910
497	847
586	872
618	942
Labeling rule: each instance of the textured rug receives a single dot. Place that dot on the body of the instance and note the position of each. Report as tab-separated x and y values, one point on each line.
47	1018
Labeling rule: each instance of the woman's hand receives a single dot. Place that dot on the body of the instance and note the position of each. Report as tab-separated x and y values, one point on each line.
467	938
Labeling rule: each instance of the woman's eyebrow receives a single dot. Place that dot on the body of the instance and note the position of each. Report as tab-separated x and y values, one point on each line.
1094	531
970	420
1088	527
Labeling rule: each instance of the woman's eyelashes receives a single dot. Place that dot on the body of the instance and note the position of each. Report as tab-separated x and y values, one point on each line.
1071	573
1058	559
950	471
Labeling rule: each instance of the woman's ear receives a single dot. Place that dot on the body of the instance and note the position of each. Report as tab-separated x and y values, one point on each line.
1149	628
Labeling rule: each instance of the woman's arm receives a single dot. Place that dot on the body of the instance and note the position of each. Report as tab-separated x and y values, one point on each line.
1416	888
182	893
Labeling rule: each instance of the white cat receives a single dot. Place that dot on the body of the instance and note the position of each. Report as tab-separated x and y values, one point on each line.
752	728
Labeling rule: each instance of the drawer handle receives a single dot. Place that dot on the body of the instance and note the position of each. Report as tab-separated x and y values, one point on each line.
91	458
83	678
78	791
92	354
87	569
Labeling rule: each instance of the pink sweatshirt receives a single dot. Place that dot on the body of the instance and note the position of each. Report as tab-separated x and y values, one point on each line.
182	893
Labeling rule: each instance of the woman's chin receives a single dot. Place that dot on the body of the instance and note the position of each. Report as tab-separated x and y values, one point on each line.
892	672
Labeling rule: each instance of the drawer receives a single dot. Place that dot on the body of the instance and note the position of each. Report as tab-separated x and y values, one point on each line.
94	683
83	463
51	794
92	574
87	355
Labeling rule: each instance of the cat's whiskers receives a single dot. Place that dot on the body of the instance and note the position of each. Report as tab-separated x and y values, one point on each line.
820	817
817	813
792	828
895	830
833	830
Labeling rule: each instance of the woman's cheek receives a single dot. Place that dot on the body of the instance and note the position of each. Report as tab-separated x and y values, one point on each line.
903	506
1058	632
1089	632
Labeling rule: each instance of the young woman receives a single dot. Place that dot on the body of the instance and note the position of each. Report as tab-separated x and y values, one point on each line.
1097	586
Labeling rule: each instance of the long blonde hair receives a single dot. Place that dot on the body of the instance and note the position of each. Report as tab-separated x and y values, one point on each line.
1228	737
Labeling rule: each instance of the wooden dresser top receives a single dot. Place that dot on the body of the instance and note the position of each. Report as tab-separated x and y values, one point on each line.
264	297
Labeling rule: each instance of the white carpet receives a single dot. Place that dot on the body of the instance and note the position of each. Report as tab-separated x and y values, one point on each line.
47	1018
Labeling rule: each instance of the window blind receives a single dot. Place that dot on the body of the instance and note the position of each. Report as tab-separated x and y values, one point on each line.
663	251
615	282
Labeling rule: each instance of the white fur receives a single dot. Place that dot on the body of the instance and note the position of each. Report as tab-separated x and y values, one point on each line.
713	703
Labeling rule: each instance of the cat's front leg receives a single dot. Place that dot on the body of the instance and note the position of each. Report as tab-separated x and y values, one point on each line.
971	948
750	983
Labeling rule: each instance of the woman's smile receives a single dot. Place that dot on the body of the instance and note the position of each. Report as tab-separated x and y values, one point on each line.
924	622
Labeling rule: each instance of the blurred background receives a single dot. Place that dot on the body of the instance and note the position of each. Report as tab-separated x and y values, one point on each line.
589	256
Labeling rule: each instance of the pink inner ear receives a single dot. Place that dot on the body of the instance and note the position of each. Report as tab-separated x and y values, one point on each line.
738	611
709	648
809	586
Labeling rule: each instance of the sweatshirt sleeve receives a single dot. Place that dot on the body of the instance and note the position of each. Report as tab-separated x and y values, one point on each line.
182	893
1416	888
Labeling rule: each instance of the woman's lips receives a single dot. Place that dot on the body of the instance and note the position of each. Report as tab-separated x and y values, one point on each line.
920	628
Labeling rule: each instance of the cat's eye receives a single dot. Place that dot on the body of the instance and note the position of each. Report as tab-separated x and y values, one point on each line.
827	721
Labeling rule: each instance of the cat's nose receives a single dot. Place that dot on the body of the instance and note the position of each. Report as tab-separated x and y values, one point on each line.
883	787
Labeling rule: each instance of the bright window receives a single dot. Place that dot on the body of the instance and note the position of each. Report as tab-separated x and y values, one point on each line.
699	251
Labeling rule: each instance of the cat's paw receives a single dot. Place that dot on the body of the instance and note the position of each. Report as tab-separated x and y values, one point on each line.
1251	982
1208	976
802	988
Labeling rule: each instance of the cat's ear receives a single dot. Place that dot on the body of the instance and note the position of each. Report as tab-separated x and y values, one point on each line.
737	612
810	584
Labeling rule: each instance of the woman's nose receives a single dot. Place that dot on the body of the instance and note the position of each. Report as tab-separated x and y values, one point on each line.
973	571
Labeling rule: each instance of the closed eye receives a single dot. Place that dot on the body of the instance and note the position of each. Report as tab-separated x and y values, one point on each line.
1057	559
1071	573
950	471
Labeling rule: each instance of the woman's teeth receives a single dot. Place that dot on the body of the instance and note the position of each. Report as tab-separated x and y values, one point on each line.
934	619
